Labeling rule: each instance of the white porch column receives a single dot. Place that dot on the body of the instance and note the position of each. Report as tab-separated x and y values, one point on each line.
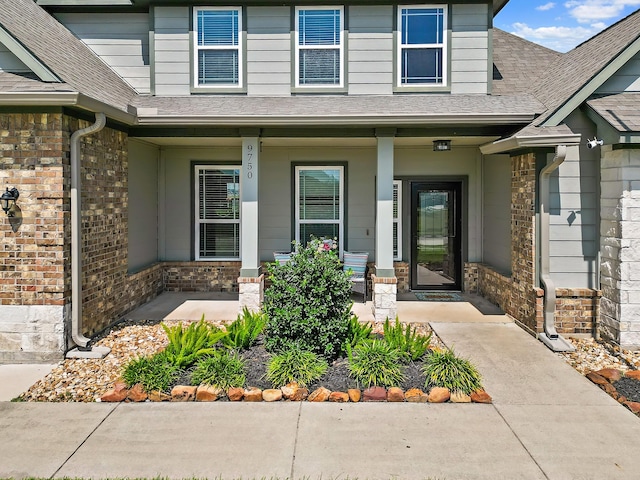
384	281
250	283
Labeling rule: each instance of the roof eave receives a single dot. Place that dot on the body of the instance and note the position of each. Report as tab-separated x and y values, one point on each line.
342	120
516	142
65	99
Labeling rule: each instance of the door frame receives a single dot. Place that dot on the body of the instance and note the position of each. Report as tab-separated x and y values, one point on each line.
459	186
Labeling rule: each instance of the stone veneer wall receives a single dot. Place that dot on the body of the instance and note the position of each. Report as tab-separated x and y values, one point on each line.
620	245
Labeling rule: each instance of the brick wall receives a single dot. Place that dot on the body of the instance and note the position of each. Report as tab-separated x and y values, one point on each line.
201	276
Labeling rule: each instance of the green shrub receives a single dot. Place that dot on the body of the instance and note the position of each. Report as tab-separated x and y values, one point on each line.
358	332
243	331
295	365
188	344
444	369
155	372
375	363
308	303
222	369
410	344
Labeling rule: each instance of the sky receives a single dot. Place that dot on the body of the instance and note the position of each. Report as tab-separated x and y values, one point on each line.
561	25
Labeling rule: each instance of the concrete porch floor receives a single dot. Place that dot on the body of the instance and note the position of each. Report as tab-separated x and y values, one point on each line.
224	306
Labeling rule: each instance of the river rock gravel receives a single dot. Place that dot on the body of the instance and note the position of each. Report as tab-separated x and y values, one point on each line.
85	380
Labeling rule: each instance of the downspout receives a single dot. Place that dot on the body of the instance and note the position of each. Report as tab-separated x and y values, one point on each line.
76	232
550	336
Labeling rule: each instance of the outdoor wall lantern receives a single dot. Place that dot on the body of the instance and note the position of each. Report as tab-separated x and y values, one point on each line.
441	145
8	200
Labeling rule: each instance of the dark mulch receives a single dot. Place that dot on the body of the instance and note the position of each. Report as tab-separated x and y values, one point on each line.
336	378
629	388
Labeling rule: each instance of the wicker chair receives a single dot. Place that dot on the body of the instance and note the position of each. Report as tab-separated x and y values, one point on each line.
356	264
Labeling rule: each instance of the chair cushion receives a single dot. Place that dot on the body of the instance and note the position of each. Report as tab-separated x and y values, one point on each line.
282	257
356	262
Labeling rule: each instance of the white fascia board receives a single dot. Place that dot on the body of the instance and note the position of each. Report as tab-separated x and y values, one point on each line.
26	57
345	120
64	99
592	85
534	141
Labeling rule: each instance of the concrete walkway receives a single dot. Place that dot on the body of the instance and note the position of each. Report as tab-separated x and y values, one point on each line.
546	422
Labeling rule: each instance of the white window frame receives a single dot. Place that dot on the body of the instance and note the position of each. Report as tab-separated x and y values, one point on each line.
341	203
397	219
299	47
197	48
443	46
198	221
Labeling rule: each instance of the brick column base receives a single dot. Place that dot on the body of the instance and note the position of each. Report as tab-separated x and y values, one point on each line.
384	294
251	292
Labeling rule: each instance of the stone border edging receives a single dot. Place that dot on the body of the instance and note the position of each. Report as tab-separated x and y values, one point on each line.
605	379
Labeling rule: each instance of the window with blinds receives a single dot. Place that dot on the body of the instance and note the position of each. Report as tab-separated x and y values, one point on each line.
397	220
319	208
217	212
319	46
218	46
422	46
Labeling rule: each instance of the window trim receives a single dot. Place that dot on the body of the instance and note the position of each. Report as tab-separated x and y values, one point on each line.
444	45
240	47
397	220
341	204
197	168
297	48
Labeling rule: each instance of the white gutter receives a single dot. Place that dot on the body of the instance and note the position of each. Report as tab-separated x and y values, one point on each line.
329	120
76	232
529	141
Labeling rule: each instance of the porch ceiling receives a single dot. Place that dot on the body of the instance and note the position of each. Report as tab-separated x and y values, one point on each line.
198	142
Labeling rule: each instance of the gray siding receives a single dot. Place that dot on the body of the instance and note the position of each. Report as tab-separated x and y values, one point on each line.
143	205
10	63
627	79
574	219
121	40
269	51
370	56
171	53
496	212
469	49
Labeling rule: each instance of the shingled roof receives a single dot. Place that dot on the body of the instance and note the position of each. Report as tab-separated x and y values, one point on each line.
518	63
64	54
573	70
621	111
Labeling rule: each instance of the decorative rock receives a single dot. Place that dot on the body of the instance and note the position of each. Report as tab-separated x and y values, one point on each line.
272	395
395	394
300	395
597	378
610	389
480	396
117	394
415	395
439	395
137	393
252	394
374	394
235	394
183	393
289	390
158	396
339	397
319	395
459	397
208	393
635	374
354	394
633	406
611	374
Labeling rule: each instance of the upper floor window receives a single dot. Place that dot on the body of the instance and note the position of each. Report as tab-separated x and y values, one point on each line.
422	47
218	46
319	46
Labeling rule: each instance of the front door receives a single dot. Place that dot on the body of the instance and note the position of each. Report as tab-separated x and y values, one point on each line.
436	240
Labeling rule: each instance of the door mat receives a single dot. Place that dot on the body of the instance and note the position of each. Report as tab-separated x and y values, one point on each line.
439	296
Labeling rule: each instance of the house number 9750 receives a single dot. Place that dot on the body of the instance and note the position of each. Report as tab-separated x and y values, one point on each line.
249	161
